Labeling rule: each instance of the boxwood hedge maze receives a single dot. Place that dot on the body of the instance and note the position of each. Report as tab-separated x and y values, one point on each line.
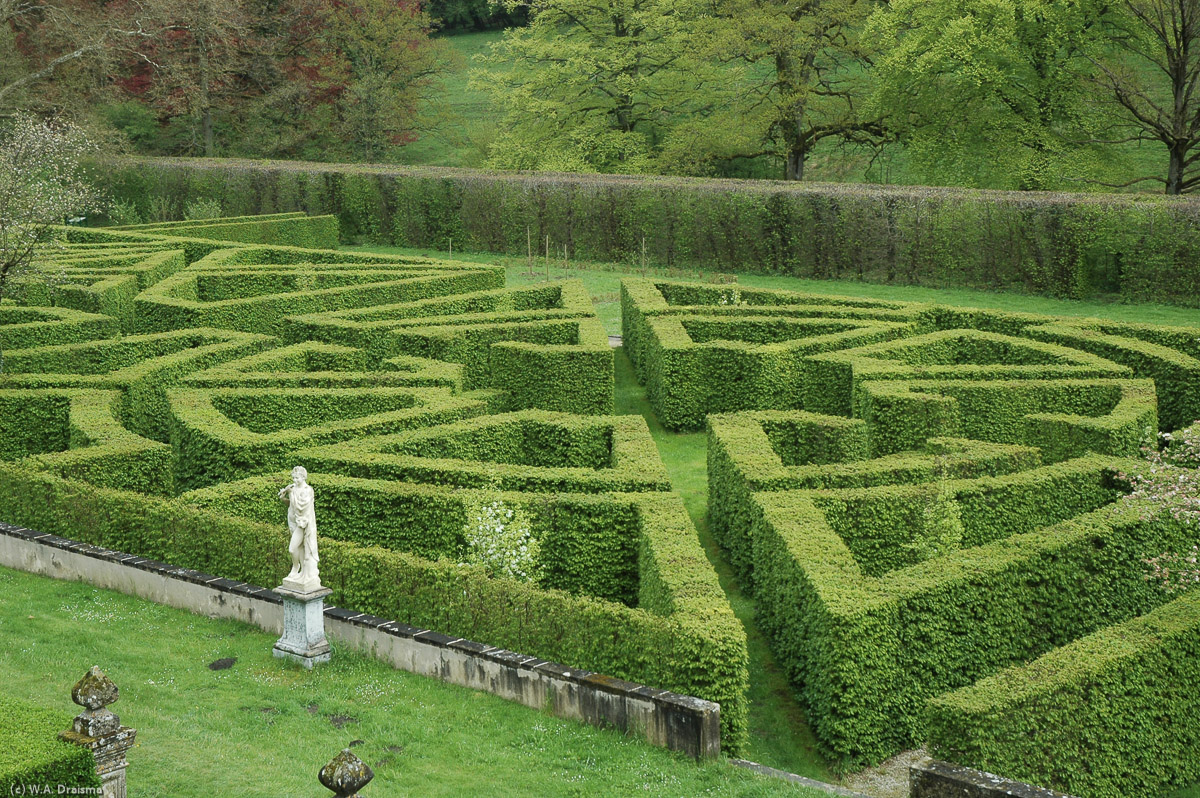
923	500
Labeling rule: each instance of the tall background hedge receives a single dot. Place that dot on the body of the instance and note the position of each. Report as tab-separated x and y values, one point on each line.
1138	247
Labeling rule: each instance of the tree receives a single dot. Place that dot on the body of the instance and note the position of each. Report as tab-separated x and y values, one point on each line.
989	92
198	63
813	74
41	184
391	68
1150	73
40	40
594	86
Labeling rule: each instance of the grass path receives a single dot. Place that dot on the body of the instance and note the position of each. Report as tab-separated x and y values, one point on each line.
263	728
779	734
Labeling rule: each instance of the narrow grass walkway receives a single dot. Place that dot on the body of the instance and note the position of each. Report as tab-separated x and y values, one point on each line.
779	734
263	728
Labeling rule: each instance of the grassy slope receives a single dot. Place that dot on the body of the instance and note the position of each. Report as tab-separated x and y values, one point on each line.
264	727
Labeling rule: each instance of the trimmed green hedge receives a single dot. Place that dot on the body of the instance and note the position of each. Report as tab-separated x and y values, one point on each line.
290	229
223	290
76	433
1141	247
866	652
1114	714
223	434
140	366
24	327
543	346
683	636
790	450
34	757
530	450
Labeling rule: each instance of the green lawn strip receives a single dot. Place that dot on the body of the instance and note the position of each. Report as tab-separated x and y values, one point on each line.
779	733
603	281
264	727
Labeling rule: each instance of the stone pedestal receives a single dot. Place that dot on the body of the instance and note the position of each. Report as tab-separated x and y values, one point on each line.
303	638
109	751
100	731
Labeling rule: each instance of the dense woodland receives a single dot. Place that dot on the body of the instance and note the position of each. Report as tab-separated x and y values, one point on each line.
1025	94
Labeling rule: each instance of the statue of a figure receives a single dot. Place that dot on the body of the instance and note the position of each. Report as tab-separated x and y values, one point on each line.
302	522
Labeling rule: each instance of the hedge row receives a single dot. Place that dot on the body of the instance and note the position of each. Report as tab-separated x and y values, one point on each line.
76	433
222	434
292	229
215	293
1114	714
1064	418
33	757
142	367
867	651
589	543
24	327
1076	245
542	345
312	364
793	450
107	286
530	450
682	636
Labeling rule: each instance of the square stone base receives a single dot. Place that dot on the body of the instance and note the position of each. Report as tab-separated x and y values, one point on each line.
308	660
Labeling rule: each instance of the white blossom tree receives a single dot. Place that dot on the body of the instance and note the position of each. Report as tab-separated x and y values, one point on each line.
42	183
1169	486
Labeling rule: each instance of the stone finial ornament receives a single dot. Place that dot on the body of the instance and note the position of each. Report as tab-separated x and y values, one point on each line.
346	774
94	692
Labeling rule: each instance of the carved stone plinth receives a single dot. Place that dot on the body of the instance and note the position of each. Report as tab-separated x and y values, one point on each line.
109	751
100	731
303	639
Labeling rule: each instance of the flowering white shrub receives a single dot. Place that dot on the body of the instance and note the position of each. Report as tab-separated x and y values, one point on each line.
41	184
1169	485
499	539
730	297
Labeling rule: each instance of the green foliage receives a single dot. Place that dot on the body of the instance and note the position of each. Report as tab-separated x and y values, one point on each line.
1109	715
202	219
34	756
398	416
1139	247
989	94
25	328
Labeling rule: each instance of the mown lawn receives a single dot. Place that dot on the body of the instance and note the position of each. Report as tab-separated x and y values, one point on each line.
263	728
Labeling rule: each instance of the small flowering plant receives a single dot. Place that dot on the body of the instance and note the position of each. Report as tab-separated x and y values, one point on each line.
731	297
499	539
1170	485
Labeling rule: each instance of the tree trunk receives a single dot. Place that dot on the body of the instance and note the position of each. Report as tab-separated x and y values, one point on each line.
1178	150
208	133
797	155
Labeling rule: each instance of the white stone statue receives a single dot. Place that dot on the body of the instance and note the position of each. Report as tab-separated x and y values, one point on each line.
302	522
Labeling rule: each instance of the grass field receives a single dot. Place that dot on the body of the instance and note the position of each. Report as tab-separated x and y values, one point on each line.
263	728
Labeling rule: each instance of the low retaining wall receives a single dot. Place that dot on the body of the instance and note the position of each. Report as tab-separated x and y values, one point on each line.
934	779
678	722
